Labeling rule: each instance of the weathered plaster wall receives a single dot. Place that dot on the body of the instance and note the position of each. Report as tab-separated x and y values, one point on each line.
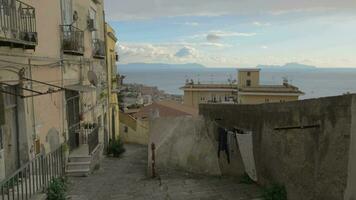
312	162
184	143
132	130
351	181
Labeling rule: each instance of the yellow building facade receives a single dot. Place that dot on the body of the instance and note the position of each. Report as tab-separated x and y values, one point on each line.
247	90
53	79
113	87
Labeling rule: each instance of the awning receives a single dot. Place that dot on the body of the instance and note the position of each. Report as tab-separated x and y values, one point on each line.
81	88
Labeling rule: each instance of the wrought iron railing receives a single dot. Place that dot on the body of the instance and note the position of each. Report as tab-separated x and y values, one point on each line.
74	134
17	24
93	139
98	48
72	40
33	177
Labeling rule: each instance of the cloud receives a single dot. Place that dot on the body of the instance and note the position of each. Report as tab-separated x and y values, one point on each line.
264	47
261	24
213	37
186	52
191	24
139	9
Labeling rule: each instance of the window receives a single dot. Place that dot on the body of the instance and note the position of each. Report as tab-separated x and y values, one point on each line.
248	83
126	129
67	12
248	73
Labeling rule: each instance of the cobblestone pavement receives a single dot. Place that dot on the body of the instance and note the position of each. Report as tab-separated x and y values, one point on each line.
125	179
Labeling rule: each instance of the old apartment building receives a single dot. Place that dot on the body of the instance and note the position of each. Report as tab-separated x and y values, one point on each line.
53	82
247	90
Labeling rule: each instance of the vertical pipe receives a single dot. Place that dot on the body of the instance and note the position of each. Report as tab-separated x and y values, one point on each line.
22	185
17	185
153	148
26	191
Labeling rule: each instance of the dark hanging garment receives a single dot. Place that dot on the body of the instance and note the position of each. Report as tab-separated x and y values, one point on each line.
223	145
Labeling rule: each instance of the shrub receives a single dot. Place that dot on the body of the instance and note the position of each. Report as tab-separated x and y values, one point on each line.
116	148
57	189
275	192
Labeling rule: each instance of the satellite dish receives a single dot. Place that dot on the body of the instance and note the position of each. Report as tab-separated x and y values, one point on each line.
93	79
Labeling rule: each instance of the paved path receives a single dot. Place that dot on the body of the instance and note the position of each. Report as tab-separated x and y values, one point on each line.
125	179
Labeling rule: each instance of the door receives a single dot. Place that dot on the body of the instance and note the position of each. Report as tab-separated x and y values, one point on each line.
73	119
10	132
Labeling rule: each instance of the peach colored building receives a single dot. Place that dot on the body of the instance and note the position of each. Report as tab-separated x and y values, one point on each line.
248	90
53	80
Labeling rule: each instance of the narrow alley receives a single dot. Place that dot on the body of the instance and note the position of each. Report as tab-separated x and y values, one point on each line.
125	179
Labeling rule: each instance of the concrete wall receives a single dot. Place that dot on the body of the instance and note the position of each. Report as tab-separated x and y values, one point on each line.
258	99
184	143
313	163
351	179
132	130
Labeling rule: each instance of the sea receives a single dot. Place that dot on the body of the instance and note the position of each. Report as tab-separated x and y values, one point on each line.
318	82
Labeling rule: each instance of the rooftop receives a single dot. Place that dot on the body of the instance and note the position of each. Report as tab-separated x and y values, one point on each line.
249	70
166	109
285	88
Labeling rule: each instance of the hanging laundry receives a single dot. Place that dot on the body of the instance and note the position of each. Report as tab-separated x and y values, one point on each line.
223	143
245	143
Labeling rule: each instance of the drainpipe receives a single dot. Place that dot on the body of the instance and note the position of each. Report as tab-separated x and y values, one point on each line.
62	74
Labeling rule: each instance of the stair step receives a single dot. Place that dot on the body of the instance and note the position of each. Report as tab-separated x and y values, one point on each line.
78	165
78	172
79	158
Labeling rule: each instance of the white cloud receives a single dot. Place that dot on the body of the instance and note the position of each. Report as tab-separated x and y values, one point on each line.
139	9
232	34
261	24
191	24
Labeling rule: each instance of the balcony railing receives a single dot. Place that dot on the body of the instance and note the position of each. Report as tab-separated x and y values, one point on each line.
98	48
72	40
17	24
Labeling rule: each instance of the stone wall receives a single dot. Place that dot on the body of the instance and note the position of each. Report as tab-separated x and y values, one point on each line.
183	143
303	145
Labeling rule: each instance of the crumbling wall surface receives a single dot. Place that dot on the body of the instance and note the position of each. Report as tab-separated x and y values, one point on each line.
351	183
184	143
303	145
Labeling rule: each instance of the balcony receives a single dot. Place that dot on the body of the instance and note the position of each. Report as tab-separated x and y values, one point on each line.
72	40
17	25
98	49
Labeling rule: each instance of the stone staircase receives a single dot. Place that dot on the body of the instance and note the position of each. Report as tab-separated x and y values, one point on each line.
78	165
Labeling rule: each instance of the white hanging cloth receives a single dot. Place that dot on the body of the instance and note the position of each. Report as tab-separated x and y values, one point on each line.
246	149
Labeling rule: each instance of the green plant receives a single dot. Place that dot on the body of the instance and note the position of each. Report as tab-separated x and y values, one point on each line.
245	179
116	148
57	189
275	192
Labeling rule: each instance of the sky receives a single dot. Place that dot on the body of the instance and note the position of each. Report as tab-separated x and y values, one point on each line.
235	33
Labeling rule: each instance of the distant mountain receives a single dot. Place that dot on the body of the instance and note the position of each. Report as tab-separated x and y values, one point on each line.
287	66
159	66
